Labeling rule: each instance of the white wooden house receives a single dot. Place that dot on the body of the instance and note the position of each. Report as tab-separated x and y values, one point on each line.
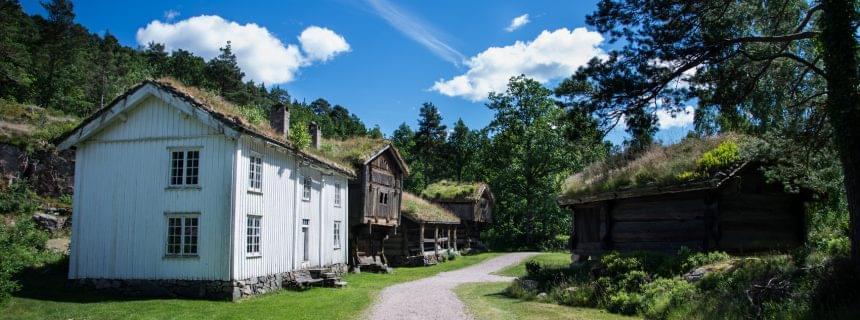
175	193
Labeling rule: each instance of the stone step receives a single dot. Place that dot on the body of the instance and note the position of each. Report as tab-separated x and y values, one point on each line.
339	284
329	275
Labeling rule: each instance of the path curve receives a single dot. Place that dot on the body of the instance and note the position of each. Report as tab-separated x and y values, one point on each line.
433	298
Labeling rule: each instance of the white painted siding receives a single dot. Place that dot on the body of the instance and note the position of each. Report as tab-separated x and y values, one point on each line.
281	205
119	228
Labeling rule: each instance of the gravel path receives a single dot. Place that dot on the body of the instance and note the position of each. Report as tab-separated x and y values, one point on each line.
432	298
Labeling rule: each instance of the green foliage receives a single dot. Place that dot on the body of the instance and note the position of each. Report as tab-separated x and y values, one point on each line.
254	115
21	245
18	198
721	157
663	295
450	190
698	259
299	135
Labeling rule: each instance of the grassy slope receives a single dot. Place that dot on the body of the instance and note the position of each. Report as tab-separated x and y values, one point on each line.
519	270
486	301
47	298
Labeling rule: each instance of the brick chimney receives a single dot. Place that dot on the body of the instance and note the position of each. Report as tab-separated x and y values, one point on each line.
314	131
279	118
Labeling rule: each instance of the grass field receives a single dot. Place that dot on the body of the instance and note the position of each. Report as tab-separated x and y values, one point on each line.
487	301
552	258
45	297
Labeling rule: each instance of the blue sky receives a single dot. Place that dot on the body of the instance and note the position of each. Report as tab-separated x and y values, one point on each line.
379	58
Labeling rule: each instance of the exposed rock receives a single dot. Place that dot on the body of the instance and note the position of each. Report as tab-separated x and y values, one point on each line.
529	285
703	271
49	222
60	245
542	296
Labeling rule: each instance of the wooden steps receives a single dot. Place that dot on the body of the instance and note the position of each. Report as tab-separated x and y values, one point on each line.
306	278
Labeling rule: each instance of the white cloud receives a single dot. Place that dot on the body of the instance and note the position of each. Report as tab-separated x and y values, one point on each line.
322	44
261	55
170	14
666	120
552	55
415	29
518	22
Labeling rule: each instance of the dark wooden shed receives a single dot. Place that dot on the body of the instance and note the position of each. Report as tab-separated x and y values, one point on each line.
374	196
738	212
426	232
472	202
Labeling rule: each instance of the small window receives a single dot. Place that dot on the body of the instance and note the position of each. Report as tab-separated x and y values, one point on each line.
383	197
182	230
337	234
255	174
337	199
306	191
253	235
184	167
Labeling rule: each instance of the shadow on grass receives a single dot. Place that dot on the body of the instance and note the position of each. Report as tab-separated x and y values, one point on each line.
49	282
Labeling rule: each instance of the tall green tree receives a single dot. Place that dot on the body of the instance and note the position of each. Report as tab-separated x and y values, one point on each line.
728	53
430	142
404	139
463	148
224	73
186	67
527	160
16	31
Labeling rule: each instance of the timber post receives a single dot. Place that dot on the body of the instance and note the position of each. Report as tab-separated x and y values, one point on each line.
421	241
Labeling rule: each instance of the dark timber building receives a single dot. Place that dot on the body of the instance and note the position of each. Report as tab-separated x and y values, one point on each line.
472	202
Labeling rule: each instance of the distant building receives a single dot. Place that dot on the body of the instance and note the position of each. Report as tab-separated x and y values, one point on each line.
177	194
471	202
678	204
426	235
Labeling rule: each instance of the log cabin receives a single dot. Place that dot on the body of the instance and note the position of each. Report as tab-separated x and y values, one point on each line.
375	195
176	193
733	209
472	202
427	235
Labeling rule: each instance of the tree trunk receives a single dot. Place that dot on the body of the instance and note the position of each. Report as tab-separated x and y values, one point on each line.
843	102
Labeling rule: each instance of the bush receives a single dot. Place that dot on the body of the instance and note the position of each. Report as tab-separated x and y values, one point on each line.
21	245
624	303
662	295
698	259
18	199
533	268
721	157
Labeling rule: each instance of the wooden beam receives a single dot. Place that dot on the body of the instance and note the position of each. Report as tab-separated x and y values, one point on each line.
455	239
436	237
422	237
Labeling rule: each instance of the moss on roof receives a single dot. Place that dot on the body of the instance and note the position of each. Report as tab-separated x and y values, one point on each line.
419	210
352	152
453	190
689	161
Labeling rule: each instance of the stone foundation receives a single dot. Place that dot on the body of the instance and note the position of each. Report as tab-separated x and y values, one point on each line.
200	289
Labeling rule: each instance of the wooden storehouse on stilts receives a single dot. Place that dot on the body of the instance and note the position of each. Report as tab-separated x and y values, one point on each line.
374	196
702	194
472	202
426	236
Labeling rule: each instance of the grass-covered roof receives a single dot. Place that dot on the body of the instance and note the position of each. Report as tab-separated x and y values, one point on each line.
692	161
447	190
419	210
224	111
351	152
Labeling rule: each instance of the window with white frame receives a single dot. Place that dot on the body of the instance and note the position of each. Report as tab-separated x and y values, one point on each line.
182	230
337	234
184	167
255	173
306	189
337	199
252	247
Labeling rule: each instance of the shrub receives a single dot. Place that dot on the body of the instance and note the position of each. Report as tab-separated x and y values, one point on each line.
624	303
698	259
662	295
721	157
299	135
18	199
21	245
533	268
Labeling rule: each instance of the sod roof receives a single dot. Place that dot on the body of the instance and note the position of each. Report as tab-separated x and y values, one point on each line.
689	164
222	110
356	151
422	211
446	190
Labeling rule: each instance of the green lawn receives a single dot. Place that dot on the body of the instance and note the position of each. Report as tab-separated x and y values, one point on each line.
487	301
552	258
45	297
